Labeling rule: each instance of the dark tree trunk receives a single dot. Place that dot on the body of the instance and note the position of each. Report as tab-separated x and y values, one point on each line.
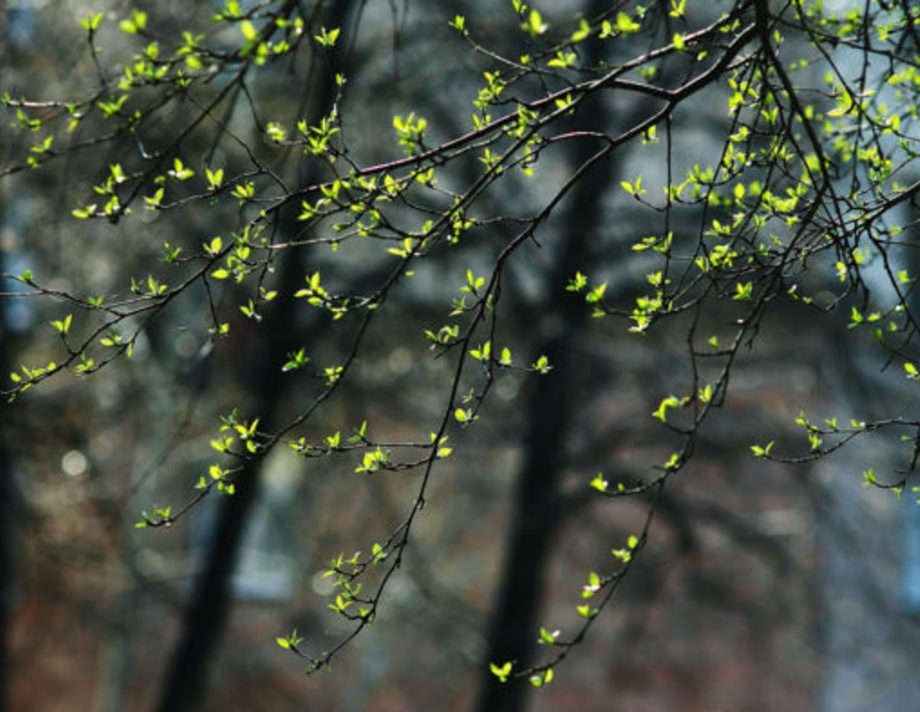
204	618
186	676
8	500
7	490
536	520
9	504
537	505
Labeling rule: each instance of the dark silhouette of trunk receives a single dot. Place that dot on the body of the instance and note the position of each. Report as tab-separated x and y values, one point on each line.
7	486
204	619
538	508
186	676
7	574
537	516
8	501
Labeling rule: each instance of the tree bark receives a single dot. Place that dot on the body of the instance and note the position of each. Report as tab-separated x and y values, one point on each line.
185	681
204	619
8	501
538	511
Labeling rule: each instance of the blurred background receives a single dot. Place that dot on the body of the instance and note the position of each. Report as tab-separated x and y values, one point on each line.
763	587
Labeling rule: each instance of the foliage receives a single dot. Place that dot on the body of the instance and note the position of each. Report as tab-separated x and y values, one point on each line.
805	205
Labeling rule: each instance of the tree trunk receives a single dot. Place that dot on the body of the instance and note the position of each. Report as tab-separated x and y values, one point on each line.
537	504
204	619
8	502
184	685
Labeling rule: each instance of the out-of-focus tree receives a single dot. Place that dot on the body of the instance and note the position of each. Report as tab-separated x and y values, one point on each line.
269	216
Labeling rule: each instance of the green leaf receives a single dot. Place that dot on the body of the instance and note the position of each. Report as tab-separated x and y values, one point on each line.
249	31
62	326
542	365
583	31
562	60
214	247
135	23
577	283
593	585
534	25
661	412
596	294
626	25
743	292
92	21
180	171
635	188
215	178
673	463
327	38
290	642
502	672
